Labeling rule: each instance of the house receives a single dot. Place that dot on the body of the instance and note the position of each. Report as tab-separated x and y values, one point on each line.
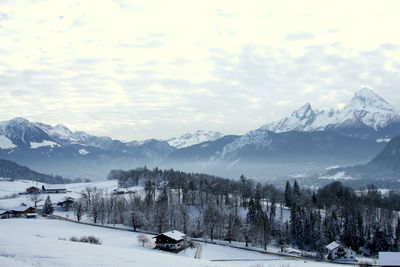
338	252
389	259
32	190
67	203
174	241
53	189
17	212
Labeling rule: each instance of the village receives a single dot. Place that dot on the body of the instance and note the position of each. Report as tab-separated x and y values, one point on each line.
174	241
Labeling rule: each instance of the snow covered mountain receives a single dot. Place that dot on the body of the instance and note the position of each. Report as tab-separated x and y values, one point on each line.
314	135
20	132
57	149
190	139
367	116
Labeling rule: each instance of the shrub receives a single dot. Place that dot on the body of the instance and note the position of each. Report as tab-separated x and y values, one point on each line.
86	239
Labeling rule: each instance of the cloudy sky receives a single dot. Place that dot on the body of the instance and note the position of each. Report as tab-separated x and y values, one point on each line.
141	69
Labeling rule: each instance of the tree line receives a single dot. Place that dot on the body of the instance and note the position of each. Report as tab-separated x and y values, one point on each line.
207	206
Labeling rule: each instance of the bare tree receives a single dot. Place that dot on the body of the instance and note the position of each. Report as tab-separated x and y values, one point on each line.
35	198
143	239
78	209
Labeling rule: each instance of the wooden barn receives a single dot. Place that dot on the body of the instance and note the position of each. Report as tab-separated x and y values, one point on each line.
174	241
389	259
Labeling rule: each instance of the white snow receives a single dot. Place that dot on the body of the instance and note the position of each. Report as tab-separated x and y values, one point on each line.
83	151
119	248
43	144
383	140
365	107
337	176
174	234
53	248
190	139
6	143
332	245
332	167
389	258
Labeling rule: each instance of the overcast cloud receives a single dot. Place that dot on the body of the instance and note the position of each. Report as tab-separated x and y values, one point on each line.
157	69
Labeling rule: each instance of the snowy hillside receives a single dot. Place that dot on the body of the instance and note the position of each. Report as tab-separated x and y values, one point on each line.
190	139
365	108
119	248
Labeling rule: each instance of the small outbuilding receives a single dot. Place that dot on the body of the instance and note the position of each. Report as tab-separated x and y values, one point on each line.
174	241
389	259
338	252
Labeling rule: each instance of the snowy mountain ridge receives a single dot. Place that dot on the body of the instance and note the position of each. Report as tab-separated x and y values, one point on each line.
190	139
366	108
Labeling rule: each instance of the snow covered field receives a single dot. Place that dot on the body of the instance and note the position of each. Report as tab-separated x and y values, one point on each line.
8	188
45	242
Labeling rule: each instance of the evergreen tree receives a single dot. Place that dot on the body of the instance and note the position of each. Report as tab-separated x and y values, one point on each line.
48	206
288	194
397	237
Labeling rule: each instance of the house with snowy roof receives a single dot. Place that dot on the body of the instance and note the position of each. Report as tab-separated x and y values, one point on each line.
17	212
389	259
51	189
171	241
338	252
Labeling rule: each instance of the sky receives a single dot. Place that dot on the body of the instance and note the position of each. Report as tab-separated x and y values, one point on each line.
135	70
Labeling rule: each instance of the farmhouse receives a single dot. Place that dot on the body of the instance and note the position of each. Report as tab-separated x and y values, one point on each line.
32	190
338	252
67	203
17	212
171	241
51	189
389	259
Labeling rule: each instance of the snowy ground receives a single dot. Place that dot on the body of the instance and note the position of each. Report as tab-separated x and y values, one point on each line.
9	190
40	242
45	242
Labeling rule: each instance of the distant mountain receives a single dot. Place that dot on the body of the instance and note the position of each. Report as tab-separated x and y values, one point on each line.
57	149
262	145
308	137
9	169
190	139
367	116
388	160
22	133
382	170
203	151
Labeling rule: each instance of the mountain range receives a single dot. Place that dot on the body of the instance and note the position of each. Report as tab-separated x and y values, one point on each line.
307	138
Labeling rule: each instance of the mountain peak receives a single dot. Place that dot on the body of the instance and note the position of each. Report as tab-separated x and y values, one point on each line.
366	98
19	120
365	108
303	112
